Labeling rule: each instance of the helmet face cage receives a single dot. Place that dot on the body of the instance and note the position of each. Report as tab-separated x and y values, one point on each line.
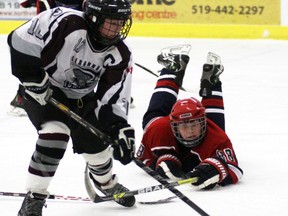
195	141
97	11
190	112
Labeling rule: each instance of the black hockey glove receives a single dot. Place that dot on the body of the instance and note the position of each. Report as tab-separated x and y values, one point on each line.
210	172
37	91
125	145
169	166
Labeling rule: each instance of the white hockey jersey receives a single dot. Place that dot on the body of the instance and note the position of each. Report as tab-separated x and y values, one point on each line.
57	41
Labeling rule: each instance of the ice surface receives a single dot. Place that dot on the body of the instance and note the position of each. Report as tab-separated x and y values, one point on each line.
255	92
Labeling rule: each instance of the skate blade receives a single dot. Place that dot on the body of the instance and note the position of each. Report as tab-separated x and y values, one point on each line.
183	49
213	58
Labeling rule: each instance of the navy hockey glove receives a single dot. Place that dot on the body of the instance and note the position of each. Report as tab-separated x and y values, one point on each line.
125	145
38	91
210	172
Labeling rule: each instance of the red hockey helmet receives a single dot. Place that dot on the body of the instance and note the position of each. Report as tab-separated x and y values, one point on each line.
190	112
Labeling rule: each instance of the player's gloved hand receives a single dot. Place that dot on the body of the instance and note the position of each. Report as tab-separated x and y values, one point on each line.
38	91
169	166
210	172
125	145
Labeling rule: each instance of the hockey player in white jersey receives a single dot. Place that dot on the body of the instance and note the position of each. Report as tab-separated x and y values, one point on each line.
71	53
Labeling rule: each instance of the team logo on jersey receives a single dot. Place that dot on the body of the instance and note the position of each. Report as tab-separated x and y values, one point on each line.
81	77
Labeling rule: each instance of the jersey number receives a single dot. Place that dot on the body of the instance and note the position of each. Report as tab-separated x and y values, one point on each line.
226	154
34	29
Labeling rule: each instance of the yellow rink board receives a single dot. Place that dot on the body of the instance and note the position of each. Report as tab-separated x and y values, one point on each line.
190	30
255	12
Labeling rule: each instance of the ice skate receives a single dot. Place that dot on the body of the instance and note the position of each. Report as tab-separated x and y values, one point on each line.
175	59
32	204
113	187
210	75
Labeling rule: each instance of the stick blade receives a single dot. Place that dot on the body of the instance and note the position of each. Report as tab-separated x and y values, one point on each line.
160	201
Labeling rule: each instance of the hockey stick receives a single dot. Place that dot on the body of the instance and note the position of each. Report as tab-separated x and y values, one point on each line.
96	198
146	69
51	196
75	198
160	201
148	189
180	195
139	163
77	118
151	72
